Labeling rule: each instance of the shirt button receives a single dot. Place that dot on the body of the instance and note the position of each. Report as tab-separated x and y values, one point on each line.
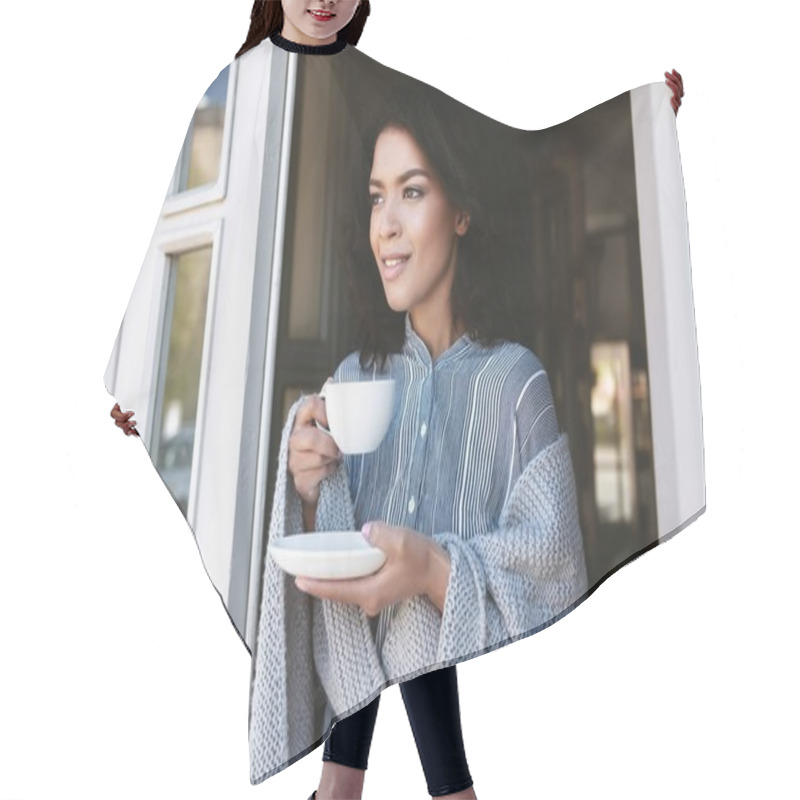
423	430
411	506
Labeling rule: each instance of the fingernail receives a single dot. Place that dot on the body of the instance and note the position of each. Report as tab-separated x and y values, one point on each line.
365	530
299	584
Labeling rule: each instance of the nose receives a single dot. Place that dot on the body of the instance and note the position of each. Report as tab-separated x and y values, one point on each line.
389	224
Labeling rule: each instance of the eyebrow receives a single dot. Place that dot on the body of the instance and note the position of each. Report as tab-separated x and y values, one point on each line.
404	177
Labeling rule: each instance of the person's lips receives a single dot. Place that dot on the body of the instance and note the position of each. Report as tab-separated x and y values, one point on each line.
394	264
323	16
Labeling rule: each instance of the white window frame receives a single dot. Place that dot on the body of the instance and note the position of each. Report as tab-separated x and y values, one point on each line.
198	235
178	201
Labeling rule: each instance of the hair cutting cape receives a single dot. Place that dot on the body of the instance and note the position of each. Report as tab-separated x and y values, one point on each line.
541	461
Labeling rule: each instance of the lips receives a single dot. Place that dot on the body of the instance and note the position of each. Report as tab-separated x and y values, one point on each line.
394	264
323	16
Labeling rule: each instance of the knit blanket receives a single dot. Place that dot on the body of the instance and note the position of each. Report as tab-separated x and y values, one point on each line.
316	660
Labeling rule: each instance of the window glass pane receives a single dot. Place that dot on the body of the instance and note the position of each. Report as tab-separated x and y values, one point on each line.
202	149
306	234
615	479
613	284
189	279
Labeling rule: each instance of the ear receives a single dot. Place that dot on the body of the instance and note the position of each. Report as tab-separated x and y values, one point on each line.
462	223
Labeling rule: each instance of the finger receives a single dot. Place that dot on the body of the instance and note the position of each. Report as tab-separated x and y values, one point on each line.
319	411
302	461
309	410
303	414
673	86
343	591
310	476
308	479
675	76
325	444
314	441
307	483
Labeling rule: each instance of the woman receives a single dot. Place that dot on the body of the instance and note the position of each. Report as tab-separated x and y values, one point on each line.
415	229
477	412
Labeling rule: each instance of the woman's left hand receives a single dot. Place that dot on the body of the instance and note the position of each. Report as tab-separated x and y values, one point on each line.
403	575
675	82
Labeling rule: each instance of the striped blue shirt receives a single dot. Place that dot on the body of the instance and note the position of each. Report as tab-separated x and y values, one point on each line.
465	427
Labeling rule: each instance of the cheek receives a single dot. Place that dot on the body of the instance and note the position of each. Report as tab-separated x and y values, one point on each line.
373	235
431	220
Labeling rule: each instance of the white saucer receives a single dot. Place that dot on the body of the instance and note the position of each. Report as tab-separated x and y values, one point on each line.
330	555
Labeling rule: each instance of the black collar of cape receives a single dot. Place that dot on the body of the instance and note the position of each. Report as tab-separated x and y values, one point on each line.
310	49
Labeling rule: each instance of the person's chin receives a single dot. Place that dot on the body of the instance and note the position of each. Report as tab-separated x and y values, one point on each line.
396	302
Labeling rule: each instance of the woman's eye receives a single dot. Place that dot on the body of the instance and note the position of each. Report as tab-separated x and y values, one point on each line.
411	192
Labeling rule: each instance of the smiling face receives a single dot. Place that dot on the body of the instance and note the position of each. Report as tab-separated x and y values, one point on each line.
316	22
414	228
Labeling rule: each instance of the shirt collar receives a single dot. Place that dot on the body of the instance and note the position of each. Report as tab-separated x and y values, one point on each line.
416	347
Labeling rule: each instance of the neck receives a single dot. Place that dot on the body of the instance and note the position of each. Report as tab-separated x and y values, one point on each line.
439	333
298	37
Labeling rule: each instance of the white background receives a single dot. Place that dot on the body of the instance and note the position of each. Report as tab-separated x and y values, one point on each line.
120	674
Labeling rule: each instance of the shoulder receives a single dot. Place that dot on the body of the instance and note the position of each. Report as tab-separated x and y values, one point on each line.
525	400
349	368
514	364
526	396
263	50
527	366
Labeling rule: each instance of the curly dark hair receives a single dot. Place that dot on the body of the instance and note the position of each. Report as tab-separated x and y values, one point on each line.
476	177
266	18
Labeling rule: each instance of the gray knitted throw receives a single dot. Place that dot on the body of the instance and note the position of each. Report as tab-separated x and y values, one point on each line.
316	660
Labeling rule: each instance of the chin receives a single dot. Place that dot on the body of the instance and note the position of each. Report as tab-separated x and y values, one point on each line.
395	301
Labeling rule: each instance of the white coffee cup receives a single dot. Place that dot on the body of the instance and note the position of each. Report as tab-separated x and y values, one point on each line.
359	413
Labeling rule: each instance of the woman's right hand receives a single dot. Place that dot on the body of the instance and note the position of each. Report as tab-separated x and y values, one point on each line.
124	420
313	455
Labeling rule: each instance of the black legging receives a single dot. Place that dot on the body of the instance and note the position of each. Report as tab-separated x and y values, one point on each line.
433	711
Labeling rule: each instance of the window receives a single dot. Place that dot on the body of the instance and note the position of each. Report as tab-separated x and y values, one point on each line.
201	171
184	329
